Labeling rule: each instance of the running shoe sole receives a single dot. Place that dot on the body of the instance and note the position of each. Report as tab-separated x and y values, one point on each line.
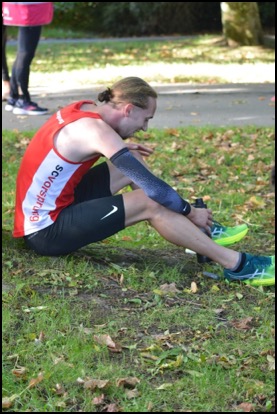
260	282
19	111
228	241
9	107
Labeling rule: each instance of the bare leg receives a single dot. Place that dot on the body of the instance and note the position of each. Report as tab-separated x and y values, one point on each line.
175	228
5	89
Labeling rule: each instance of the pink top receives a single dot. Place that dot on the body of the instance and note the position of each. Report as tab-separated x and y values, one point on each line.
27	13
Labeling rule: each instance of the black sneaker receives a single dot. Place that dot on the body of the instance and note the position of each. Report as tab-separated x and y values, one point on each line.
10	104
22	107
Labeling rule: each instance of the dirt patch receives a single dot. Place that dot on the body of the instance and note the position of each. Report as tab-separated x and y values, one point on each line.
140	257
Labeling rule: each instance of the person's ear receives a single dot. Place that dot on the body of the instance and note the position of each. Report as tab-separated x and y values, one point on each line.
128	109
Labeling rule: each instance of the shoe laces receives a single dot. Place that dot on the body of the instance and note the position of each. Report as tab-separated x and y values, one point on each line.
219	229
260	263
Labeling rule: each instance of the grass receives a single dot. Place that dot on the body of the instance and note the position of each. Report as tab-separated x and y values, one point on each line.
165	60
116	326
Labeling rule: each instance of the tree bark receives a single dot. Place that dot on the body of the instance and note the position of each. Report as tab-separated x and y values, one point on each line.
241	23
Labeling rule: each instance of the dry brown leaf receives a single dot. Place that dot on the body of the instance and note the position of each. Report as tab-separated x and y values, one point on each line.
35	381
242	324
20	372
246	407
60	390
92	384
112	408
169	288
174	132
193	287
127	238
128	382
7	402
104	340
271	362
99	399
41	337
132	393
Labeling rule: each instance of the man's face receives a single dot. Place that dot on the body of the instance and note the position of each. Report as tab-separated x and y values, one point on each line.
136	119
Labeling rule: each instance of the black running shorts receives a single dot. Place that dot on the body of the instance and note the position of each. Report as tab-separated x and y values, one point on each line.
95	215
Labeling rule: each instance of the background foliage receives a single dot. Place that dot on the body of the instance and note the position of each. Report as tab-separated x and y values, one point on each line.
148	18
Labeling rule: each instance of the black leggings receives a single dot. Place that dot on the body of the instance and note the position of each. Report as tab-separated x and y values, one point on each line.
95	215
5	70
28	38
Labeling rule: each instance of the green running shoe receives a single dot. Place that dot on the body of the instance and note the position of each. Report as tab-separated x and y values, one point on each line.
225	236
257	271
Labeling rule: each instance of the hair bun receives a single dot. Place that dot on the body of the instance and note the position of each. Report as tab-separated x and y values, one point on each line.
105	96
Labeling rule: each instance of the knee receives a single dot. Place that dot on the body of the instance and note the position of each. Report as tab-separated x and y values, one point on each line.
25	57
154	209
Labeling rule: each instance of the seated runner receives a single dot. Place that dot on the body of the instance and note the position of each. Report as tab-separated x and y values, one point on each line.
65	202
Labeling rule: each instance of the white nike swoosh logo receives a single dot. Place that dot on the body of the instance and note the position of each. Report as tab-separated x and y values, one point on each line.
110	213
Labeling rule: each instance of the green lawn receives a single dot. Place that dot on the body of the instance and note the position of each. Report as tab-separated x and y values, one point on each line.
117	325
164	60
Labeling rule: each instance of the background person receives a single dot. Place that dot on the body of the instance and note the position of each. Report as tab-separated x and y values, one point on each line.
29	17
5	70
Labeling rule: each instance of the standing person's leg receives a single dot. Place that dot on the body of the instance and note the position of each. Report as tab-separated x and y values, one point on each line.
5	70
20	101
28	38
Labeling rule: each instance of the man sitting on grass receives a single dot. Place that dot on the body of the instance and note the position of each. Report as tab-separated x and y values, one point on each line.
62	204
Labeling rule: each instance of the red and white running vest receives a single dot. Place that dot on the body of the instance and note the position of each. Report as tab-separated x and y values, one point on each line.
27	13
46	180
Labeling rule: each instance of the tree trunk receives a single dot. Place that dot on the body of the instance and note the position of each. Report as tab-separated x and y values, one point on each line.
241	23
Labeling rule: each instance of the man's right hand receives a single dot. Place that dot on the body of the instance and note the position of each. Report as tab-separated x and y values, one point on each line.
201	217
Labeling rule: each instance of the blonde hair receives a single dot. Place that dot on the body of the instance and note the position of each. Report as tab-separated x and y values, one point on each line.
132	90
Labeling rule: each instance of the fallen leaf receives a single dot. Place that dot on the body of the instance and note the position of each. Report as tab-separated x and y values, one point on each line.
34	309
271	363
246	407
112	408
128	382
93	384
60	390
239	295
107	340
99	399
242	324
165	386
132	393
20	372
104	340
7	402
169	288
35	381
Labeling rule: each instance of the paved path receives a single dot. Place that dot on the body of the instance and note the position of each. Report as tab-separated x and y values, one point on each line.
178	105
233	104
